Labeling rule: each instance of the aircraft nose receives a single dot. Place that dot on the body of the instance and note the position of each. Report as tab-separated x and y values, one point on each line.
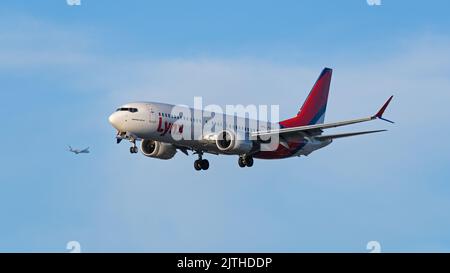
113	119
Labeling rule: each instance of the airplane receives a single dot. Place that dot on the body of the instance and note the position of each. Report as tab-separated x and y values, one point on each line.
77	151
158	126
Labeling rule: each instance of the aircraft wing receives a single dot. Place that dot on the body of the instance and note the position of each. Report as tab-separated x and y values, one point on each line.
309	128
327	137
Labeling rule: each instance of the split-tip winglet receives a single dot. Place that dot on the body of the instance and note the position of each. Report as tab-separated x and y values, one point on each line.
382	109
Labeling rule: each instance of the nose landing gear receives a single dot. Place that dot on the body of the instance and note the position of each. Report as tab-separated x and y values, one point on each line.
134	150
123	135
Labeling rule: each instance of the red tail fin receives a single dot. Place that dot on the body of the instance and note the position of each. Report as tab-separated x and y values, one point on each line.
315	105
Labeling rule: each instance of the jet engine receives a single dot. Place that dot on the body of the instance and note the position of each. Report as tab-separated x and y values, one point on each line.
229	142
157	149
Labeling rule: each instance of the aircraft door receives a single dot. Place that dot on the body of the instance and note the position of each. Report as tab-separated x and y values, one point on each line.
153	117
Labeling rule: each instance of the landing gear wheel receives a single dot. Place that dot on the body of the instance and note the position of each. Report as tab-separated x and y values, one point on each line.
241	162
249	161
245	161
200	163
133	149
197	165
204	164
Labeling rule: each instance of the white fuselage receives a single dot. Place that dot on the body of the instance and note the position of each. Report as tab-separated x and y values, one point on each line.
195	129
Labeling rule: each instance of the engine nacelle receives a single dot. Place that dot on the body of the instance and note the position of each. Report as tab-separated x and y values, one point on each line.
157	149
228	142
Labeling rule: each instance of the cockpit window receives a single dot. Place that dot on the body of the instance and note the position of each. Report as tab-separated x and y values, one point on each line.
132	110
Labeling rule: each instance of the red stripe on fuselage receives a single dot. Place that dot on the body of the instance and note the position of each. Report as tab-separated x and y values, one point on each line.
282	151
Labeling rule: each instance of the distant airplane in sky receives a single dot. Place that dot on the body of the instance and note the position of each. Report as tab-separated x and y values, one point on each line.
165	128
77	151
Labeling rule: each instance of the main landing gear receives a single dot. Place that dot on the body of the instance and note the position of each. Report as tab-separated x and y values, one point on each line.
201	164
245	161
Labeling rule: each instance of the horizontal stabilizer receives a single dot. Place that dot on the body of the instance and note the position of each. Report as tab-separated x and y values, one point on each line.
327	137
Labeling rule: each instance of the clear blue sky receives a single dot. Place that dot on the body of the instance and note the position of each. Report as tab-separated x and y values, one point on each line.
64	69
